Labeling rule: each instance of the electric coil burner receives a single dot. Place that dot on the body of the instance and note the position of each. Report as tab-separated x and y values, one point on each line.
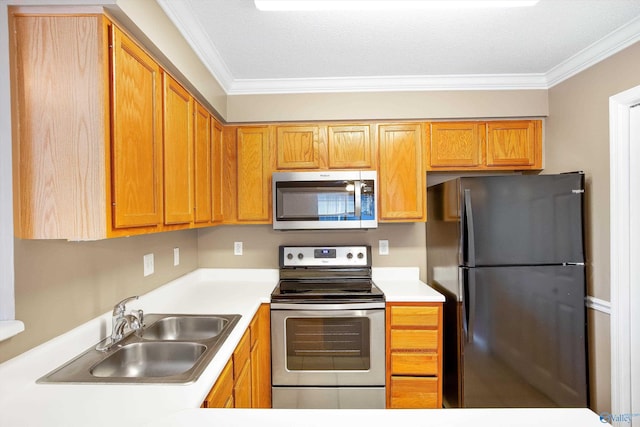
327	330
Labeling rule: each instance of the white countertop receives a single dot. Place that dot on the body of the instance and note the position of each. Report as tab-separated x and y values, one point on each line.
526	417
212	291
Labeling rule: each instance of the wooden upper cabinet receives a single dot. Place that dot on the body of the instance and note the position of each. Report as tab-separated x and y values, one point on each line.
297	147
202	163
514	143
136	171
253	177
492	145
61	168
350	146
216	171
401	174
178	153
456	144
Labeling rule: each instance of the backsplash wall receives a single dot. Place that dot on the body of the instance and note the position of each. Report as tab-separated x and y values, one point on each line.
60	285
260	245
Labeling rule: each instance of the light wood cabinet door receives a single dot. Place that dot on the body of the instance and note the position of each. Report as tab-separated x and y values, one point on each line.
216	171
414	355
297	147
261	358
253	178
242	372
350	147
136	169
222	391
401	173
514	144
456	144
202	166
178	153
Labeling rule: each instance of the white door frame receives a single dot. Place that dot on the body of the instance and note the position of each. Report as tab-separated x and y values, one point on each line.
625	267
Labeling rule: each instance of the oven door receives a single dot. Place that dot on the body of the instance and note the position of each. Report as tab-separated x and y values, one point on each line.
323	347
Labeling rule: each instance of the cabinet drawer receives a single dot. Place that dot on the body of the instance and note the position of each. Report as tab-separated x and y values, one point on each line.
414	363
414	392
222	390
241	354
410	339
420	316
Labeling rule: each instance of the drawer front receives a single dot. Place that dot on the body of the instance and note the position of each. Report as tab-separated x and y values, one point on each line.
241	354
414	392
408	339
418	316
414	363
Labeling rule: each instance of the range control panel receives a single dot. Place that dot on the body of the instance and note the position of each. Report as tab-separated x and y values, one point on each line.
325	256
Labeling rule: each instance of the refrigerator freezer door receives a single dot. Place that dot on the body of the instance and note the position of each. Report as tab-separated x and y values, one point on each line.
526	346
522	220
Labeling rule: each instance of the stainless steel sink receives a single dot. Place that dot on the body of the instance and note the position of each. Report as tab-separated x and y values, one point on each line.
185	328
173	348
150	359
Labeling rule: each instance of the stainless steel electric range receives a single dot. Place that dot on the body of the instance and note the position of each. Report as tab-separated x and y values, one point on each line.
327	330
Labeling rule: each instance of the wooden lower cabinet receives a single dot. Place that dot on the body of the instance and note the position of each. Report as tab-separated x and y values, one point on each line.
245	381
221	394
414	355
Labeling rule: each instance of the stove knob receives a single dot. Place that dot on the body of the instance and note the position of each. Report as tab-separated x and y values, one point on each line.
289	255
349	255
360	255
300	256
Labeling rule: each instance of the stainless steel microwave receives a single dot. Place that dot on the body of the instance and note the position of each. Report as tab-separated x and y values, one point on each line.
325	200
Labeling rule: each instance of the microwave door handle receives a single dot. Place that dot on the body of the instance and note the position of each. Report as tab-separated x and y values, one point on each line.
358	202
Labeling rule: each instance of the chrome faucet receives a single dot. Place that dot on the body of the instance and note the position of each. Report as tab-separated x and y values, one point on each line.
120	322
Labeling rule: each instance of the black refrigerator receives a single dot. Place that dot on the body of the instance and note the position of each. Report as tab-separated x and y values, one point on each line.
508	253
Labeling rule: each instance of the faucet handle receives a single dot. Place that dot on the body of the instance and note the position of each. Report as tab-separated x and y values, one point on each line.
119	308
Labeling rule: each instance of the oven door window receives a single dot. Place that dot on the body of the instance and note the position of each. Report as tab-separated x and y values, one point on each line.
328	344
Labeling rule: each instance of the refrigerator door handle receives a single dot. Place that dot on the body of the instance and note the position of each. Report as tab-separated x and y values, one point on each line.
469	232
469	306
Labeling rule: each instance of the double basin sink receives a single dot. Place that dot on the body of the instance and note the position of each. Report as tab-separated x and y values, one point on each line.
173	348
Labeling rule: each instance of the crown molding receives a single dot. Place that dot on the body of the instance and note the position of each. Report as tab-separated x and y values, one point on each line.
389	84
607	46
184	18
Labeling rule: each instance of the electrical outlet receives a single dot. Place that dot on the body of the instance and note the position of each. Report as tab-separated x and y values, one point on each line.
383	247
148	264
176	256
237	248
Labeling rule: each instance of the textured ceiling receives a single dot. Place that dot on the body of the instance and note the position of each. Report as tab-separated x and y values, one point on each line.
254	51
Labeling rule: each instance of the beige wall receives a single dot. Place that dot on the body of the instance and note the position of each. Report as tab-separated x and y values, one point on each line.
387	105
60	285
577	138
260	242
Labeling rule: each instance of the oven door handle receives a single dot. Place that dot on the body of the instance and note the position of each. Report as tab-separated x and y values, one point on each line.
326	307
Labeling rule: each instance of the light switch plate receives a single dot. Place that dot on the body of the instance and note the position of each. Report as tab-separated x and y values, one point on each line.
148	264
237	248
383	247
176	256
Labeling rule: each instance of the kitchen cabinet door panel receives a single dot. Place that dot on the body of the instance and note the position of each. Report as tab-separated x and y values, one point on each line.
202	162
512	143
253	187
456	144
297	147
216	171
137	135
350	147
178	153
401	174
